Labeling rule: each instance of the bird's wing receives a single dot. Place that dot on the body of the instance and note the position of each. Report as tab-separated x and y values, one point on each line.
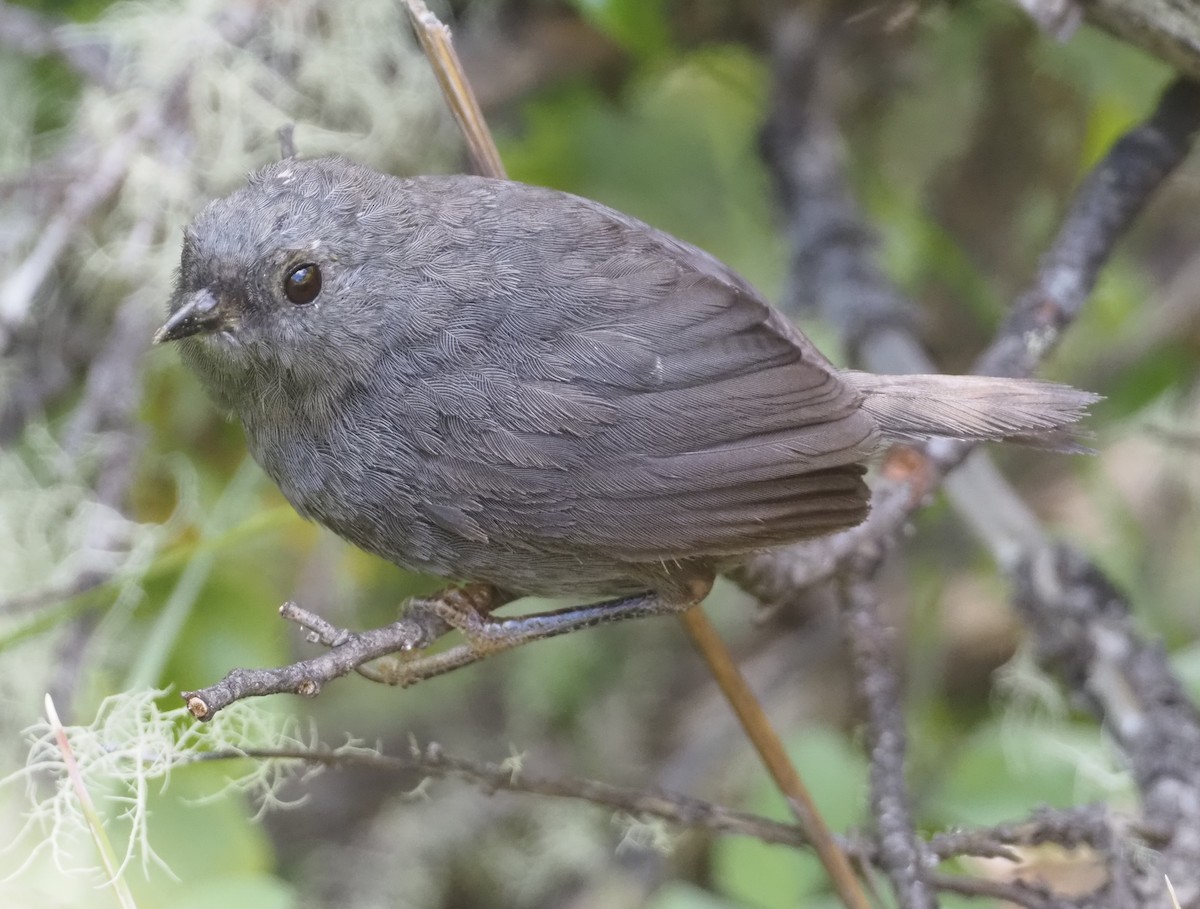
637	398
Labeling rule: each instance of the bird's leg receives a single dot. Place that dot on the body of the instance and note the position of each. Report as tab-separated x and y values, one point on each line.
485	634
466	609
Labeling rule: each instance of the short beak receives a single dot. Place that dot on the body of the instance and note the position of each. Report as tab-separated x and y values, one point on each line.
199	313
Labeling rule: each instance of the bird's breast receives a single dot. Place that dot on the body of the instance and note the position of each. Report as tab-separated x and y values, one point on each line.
342	476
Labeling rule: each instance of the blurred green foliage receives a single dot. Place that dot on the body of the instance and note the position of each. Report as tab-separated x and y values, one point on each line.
639	26
696	115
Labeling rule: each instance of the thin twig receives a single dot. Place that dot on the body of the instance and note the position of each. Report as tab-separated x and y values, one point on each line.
322	631
1085	825
351	650
435	40
677	808
770	749
902	855
433	761
685	811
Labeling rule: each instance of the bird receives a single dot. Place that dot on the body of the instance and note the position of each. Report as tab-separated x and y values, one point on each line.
518	387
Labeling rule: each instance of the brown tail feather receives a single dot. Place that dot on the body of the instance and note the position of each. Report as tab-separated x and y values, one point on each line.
974	408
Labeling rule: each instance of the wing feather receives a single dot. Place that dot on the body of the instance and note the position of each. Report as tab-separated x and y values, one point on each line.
640	402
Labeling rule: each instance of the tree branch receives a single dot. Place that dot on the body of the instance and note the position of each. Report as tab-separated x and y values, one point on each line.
1104	208
902	856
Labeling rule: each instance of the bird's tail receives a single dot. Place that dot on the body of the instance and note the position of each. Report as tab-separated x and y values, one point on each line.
974	408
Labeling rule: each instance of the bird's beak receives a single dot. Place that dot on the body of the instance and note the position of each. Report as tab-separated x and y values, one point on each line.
201	312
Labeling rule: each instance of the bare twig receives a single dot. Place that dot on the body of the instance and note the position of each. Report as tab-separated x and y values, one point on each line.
435	40
695	814
347	652
321	631
902	856
770	749
1087	825
433	761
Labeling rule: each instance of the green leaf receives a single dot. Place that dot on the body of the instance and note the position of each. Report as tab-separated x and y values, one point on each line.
639	26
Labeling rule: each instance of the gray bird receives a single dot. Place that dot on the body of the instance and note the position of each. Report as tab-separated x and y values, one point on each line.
500	383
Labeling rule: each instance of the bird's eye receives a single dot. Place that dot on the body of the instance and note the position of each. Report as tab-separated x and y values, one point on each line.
302	283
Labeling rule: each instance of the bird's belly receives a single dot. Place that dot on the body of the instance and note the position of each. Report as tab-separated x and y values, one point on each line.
379	502
374	509
380	508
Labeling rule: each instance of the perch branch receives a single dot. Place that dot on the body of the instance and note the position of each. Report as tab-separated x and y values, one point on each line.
348	652
433	761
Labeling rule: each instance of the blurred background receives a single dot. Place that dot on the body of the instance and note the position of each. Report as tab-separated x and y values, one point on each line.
139	548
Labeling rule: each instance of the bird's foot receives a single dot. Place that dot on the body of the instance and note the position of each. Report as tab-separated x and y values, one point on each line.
462	608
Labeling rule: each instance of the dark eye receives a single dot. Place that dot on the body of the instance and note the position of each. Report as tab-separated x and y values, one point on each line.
302	283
